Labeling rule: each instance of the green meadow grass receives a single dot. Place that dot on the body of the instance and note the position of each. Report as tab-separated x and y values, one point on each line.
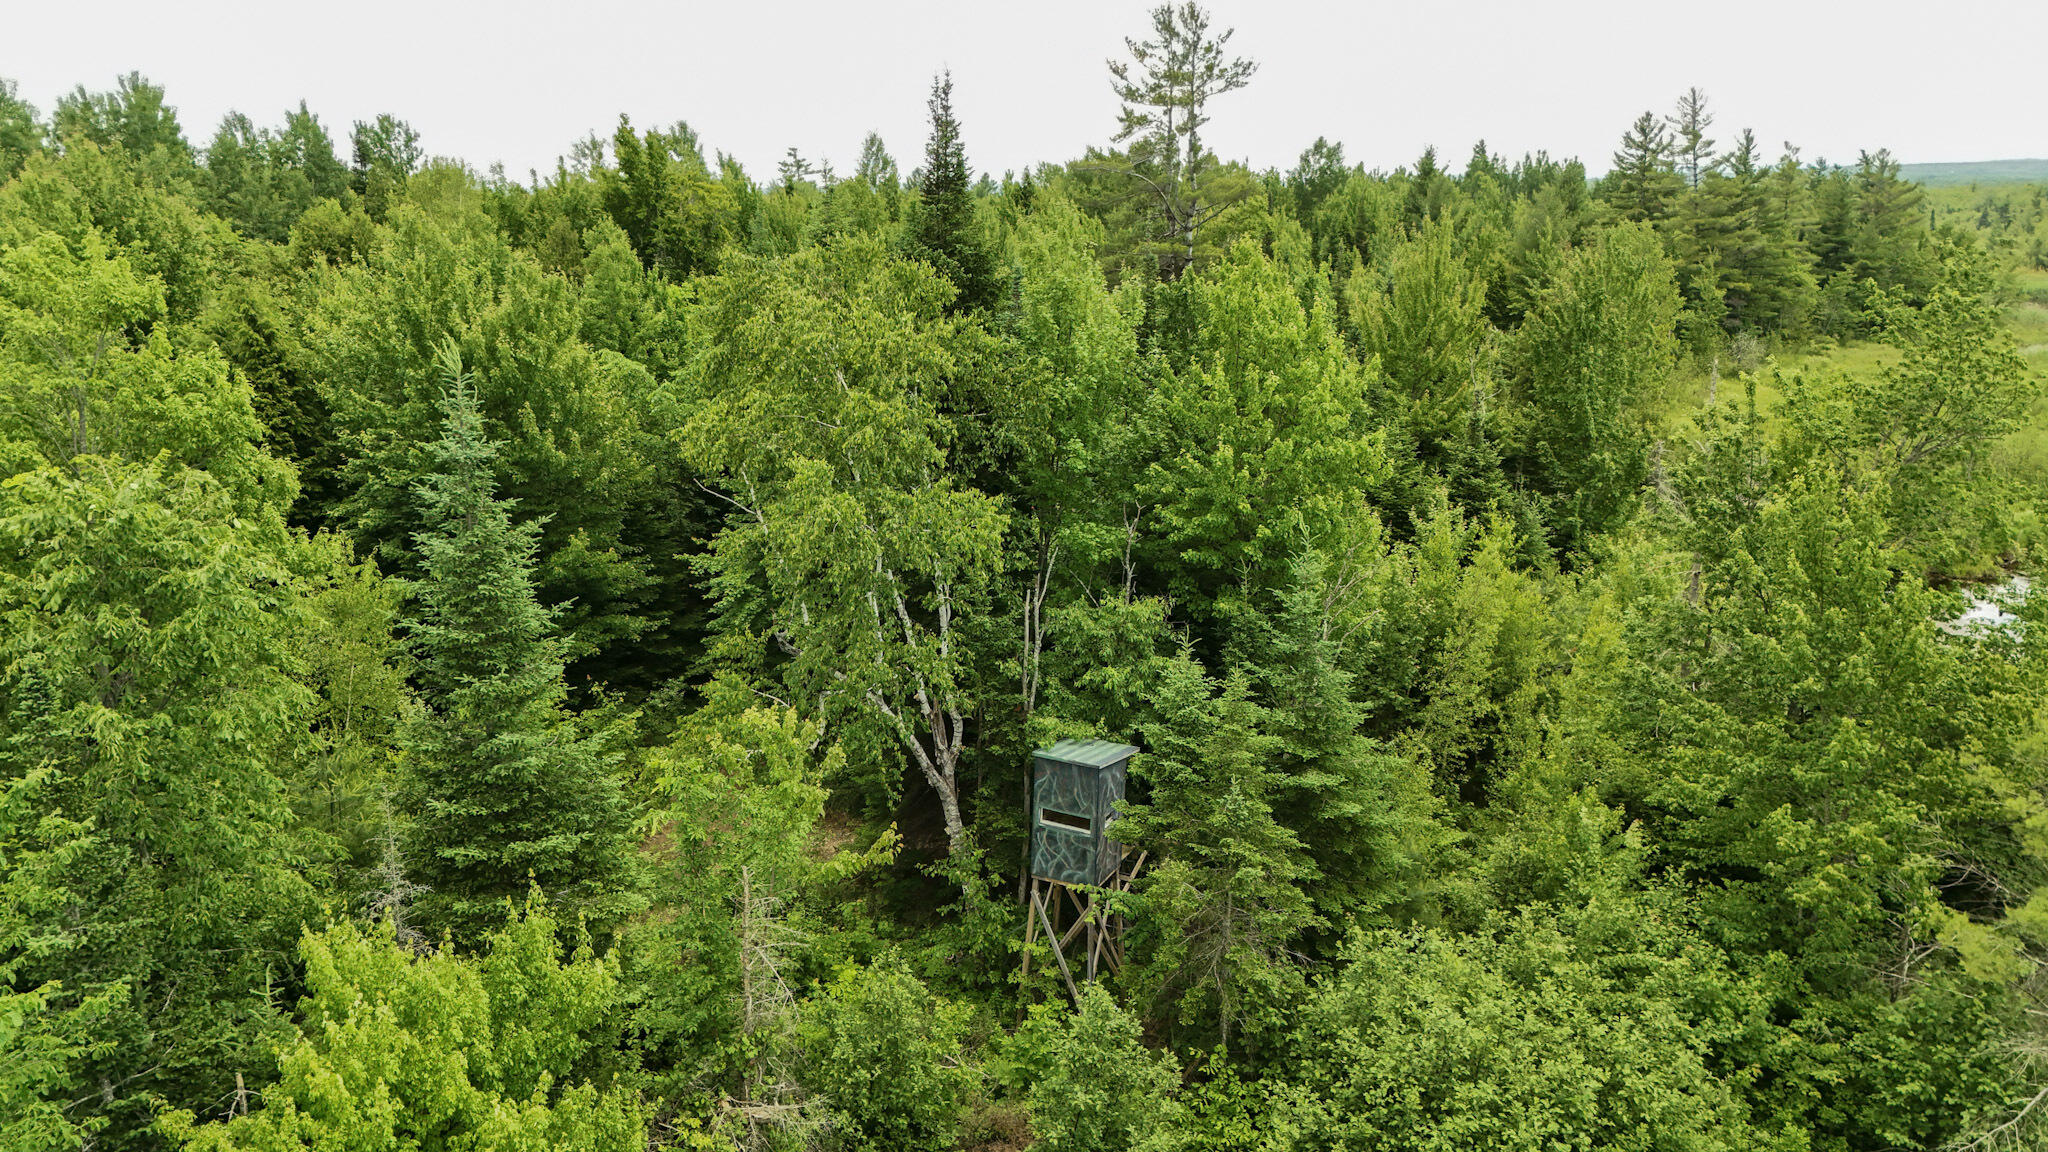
2023	454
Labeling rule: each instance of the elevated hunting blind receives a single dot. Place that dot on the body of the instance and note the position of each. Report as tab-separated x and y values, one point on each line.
1075	785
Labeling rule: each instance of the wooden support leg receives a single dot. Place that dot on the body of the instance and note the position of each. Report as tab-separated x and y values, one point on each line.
1058	953
1080	923
1094	936
1030	932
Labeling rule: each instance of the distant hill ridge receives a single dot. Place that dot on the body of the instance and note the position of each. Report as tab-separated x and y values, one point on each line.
1978	172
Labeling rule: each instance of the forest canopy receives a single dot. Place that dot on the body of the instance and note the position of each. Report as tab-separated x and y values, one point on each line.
494	665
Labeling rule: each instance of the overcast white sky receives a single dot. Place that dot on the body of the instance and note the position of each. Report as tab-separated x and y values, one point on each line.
517	81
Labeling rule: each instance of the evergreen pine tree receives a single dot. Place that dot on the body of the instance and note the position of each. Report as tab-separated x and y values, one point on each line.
1693	148
1166	88
1889	241
1221	914
500	789
1764	274
1347	798
1643	183
945	234
1429	192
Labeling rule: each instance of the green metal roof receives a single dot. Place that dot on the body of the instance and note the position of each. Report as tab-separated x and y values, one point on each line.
1092	753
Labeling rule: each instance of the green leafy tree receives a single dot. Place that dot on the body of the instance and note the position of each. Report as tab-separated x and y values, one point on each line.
1889	242
1794	730
21	131
500	789
263	180
132	117
1355	223
146	217
661	193
577	428
1422	318
1479	630
1926	425
871	200
884	1052
399	1049
1529	1034
1594	356
256	333
739	794
37	1047
1262	442
1092	1084
848	547
1428	193
148	874
356	669
304	148
1068	459
384	153
1319	173
82	385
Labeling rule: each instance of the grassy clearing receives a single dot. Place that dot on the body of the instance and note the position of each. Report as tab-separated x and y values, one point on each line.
2033	285
2023	456
2026	451
1694	387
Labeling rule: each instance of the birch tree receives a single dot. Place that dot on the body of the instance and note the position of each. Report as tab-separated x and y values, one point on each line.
823	389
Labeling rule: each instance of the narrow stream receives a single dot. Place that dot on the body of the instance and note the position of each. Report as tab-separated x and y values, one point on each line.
1991	607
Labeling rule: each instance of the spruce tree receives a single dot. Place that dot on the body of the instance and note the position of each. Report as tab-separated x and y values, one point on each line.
500	789
944	235
1222	912
1429	192
1351	803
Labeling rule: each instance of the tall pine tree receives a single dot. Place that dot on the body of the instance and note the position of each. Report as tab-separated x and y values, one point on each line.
1643	183
501	790
1693	148
944	235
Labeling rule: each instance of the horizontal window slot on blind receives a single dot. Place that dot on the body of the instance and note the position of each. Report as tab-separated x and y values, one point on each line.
1066	820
